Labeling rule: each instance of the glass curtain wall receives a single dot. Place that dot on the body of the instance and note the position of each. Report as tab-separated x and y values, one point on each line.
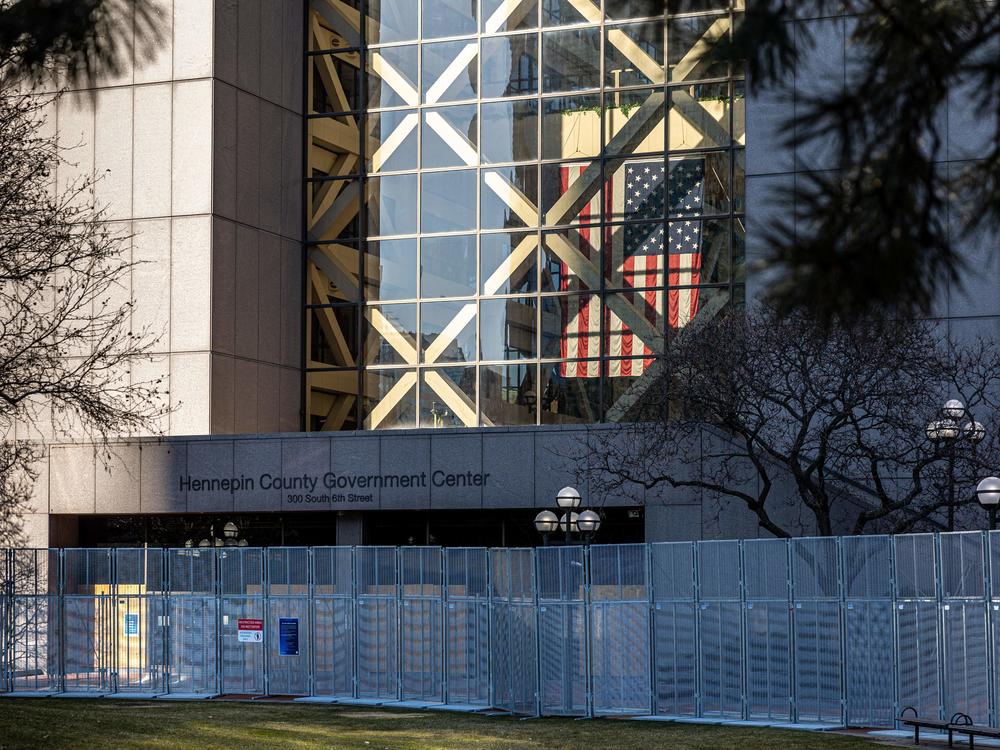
513	205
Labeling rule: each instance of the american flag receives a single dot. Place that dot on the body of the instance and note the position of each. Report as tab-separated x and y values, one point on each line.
634	260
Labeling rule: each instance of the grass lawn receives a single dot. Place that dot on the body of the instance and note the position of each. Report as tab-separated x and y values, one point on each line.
116	725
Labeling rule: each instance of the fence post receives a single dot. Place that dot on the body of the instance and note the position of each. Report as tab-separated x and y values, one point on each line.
651	627
538	633
744	639
310	622
588	640
841	573
792	682
355	682
894	606
988	609
941	624
696	587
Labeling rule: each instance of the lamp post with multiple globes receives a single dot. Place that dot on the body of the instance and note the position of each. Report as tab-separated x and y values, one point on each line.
586	523
950	434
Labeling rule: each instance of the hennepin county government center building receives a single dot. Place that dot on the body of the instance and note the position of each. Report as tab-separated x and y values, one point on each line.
406	259
403	253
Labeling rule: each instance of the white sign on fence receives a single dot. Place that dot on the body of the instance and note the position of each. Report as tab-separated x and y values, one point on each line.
250	631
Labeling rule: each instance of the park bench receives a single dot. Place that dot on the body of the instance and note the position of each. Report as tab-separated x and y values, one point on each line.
973	731
958	722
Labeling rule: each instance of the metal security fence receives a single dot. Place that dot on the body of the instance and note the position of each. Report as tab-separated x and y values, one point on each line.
820	630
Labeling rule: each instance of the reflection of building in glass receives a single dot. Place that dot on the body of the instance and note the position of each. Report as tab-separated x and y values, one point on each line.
510	210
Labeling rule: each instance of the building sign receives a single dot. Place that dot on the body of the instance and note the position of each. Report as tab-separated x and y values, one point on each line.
331	487
131	625
288	636
250	631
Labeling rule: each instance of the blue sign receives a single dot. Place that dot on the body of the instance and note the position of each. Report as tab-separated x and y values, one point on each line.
131	625
288	636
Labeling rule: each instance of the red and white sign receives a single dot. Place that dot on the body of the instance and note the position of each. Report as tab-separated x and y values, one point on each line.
250	631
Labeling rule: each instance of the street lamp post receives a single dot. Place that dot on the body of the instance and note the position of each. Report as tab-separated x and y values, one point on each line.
950	433
570	523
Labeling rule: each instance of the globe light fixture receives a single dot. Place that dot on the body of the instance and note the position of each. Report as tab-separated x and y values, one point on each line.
230	530
546	522
953	409
988	495
568	497
569	522
588	521
941	430
974	431
988	492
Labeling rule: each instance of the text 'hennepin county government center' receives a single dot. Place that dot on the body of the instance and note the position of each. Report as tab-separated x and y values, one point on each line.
405	253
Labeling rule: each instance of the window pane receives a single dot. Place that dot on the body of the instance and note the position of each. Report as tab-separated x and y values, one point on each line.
510	65
697	251
740	181
390	335
390	399
634	324
333	274
571	59
739	113
632	389
448	397
392	77
391	21
442	82
712	265
634	122
699	184
570	393
496	17
507	328
688	303
449	137
392	141
636	256
507	394
739	270
688	42
699	116
332	400
448	18
509	198
508	262
336	82
391	270
571	127
560	12
570	259
331	27
333	210
448	331
633	54
634	189
571	193
333	336
571	326
448	266
510	131
448	201
392	205
334	146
